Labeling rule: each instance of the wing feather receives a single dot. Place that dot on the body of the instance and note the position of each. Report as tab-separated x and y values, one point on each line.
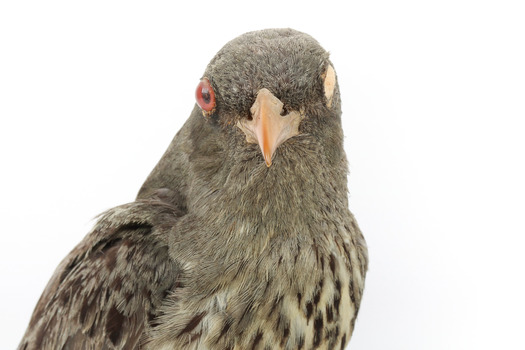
108	290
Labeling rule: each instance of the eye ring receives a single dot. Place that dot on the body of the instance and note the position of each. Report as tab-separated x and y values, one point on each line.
205	96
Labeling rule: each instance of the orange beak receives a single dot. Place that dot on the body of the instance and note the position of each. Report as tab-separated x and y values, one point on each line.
268	127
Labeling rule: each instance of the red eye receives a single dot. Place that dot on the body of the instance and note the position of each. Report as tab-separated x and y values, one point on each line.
205	96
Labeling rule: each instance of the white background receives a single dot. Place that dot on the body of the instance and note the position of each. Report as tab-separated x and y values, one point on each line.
433	95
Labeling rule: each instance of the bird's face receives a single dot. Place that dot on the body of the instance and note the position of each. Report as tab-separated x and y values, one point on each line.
270	140
269	87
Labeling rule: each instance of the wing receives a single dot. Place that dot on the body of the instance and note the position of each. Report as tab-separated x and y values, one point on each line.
106	293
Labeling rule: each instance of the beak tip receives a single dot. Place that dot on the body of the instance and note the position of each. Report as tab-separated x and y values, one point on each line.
268	160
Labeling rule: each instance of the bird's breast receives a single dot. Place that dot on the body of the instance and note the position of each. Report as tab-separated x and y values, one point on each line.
293	294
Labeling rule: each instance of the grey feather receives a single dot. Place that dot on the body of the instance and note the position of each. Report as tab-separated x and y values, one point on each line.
220	251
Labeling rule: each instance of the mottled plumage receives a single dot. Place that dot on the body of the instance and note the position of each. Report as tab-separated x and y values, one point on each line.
221	250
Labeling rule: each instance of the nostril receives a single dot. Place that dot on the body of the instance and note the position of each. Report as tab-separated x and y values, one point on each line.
248	115
284	111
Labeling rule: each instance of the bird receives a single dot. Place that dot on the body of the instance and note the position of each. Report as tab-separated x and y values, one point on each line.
241	236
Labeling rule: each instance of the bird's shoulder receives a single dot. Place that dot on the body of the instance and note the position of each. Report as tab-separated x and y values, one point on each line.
107	291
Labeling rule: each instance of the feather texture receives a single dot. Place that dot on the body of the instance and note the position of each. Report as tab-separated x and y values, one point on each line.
220	251
108	290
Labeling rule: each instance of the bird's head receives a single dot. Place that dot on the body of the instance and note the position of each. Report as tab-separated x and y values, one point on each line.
271	85
267	123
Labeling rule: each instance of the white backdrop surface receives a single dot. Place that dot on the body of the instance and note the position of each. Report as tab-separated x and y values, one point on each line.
91	94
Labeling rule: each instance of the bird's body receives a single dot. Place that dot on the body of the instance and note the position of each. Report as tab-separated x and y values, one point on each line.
226	247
